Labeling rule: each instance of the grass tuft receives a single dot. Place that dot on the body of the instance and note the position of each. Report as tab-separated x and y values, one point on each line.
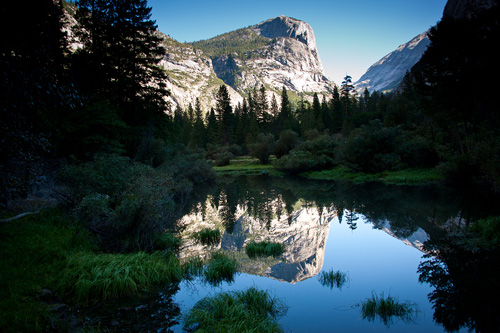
251	310
220	268
333	279
264	249
208	237
388	309
90	277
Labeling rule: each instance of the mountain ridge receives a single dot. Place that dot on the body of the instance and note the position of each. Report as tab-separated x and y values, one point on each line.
386	74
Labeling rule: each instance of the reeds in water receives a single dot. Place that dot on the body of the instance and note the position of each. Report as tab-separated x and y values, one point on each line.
333	279
208	237
264	249
388	309
220	268
251	310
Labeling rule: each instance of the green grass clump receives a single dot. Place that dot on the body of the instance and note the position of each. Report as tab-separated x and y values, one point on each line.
333	279
192	268
402	177
208	237
245	165
388	309
220	268
251	310
486	232
33	252
90	277
264	249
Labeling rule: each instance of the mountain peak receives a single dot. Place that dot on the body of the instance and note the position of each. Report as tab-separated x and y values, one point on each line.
283	26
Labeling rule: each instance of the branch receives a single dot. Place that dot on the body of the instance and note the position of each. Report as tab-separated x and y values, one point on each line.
18	216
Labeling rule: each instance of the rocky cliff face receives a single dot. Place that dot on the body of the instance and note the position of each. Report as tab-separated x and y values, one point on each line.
387	73
304	233
191	76
459	9
275	53
290	59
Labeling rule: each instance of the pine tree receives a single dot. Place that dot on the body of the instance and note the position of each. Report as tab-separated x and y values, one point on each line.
121	56
285	117
224	113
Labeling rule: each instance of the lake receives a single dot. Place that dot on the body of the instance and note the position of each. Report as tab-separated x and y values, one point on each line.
375	235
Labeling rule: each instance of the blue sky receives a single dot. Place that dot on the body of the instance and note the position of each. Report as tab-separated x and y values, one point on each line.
351	35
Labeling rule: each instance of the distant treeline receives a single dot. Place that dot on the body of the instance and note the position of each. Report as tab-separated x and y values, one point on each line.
110	97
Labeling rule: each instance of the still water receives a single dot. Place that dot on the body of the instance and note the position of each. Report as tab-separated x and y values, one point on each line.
376	235
373	233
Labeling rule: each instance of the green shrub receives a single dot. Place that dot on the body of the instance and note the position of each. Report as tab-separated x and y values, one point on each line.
418	151
264	249
223	158
287	141
371	148
90	277
220	268
106	175
262	148
208	236
251	310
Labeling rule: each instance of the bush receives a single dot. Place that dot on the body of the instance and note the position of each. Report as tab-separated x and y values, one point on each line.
262	148
418	151
223	158
252	310
106	175
372	148
316	154
287	141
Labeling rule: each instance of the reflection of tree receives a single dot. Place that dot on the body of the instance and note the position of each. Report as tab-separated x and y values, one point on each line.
351	219
466	286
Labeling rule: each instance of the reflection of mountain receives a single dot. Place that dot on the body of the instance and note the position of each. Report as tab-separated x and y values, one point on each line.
304	231
416	240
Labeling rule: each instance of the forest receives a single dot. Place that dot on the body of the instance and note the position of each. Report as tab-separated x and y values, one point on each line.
96	121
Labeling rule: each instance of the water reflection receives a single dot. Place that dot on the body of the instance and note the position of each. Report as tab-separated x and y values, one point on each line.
298	213
467	293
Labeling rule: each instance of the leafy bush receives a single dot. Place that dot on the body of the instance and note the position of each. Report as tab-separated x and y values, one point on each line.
262	148
287	141
371	148
418	151
223	158
127	206
251	310
315	154
106	175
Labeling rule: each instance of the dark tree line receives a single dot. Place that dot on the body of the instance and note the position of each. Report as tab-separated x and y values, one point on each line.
110	96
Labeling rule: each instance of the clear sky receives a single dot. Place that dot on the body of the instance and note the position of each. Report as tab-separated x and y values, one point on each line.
351	35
